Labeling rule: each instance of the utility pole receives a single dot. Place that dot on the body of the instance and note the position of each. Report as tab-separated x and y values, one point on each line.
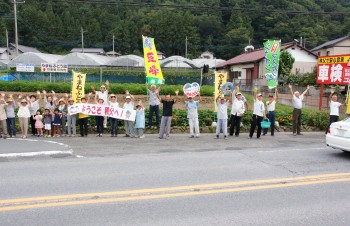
186	48
113	44
82	39
7	44
16	29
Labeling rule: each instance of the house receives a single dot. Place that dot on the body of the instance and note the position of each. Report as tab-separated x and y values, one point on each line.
335	47
161	56
249	67
4	54
21	49
97	51
207	55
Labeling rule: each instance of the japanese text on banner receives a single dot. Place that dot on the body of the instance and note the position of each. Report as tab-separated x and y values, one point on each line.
334	70
220	79
153	71
78	86
102	110
272	49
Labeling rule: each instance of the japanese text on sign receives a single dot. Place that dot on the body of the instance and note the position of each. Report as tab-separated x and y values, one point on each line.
59	68
334	70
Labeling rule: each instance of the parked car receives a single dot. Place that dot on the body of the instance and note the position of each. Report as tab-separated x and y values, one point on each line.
338	135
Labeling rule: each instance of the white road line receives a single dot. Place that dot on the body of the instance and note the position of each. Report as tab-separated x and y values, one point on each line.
295	149
31	154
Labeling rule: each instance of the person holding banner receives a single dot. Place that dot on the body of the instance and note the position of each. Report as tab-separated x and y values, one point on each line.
237	110
71	120
129	105
113	121
83	118
167	114
334	106
103	93
271	106
297	101
258	115
153	105
192	115
222	117
99	119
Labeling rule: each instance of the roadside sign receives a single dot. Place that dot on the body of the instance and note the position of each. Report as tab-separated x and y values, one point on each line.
60	68
333	70
25	67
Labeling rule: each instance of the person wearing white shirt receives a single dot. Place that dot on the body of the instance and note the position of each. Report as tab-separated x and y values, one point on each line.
237	110
114	122
271	106
102	94
297	101
192	115
153	105
222	116
129	105
258	115
334	106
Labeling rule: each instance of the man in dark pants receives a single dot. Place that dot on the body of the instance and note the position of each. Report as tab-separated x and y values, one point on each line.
153	105
271	105
258	115
297	101
334	106
236	113
84	119
33	108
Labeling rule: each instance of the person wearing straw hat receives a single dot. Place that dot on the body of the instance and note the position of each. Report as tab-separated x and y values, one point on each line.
11	116
62	107
83	118
3	116
23	115
258	115
103	93
98	118
113	121
237	110
71	120
192	114
129	105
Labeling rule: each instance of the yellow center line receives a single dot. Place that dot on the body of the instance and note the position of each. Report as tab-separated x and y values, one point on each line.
181	191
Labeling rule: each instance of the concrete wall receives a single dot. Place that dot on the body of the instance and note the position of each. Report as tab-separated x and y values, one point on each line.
340	48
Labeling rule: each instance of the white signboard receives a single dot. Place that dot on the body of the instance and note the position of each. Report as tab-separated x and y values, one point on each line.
60	68
25	67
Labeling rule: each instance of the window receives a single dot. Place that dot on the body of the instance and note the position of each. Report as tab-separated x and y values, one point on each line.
327	54
319	54
234	75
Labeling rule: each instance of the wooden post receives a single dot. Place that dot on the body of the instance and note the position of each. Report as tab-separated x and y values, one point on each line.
321	96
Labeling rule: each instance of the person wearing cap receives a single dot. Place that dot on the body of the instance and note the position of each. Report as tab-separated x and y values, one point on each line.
23	115
237	110
113	121
129	105
33	108
297	101
103	93
165	123
271	106
71	120
222	105
98	118
3	116
153	105
62	107
11	116
334	106
192	115
258	115
83	118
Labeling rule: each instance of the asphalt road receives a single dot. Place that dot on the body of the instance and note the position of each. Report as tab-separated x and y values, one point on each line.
281	180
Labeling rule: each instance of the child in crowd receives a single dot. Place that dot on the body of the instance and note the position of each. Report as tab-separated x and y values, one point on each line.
23	116
39	124
56	123
62	107
129	105
114	122
3	116
72	120
222	105
140	120
48	122
99	119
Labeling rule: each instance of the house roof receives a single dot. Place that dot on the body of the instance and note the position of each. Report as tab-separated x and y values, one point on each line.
88	50
178	62
25	49
2	50
35	58
85	59
257	55
330	43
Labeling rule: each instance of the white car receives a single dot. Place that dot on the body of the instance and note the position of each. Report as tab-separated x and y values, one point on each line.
338	135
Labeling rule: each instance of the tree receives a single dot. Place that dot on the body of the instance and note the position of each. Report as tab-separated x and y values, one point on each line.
285	65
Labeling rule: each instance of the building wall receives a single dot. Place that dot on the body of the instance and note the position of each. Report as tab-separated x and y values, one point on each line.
4	56
340	48
304	61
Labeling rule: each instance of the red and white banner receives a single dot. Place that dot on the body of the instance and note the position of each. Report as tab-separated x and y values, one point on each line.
102	110
333	70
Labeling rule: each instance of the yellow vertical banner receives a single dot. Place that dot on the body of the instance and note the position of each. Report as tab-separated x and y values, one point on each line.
220	79
78	86
153	71
348	107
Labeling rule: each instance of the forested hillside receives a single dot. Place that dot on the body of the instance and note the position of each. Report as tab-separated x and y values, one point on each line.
221	26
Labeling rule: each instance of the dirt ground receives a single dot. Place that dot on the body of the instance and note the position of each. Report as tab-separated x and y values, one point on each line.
207	103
